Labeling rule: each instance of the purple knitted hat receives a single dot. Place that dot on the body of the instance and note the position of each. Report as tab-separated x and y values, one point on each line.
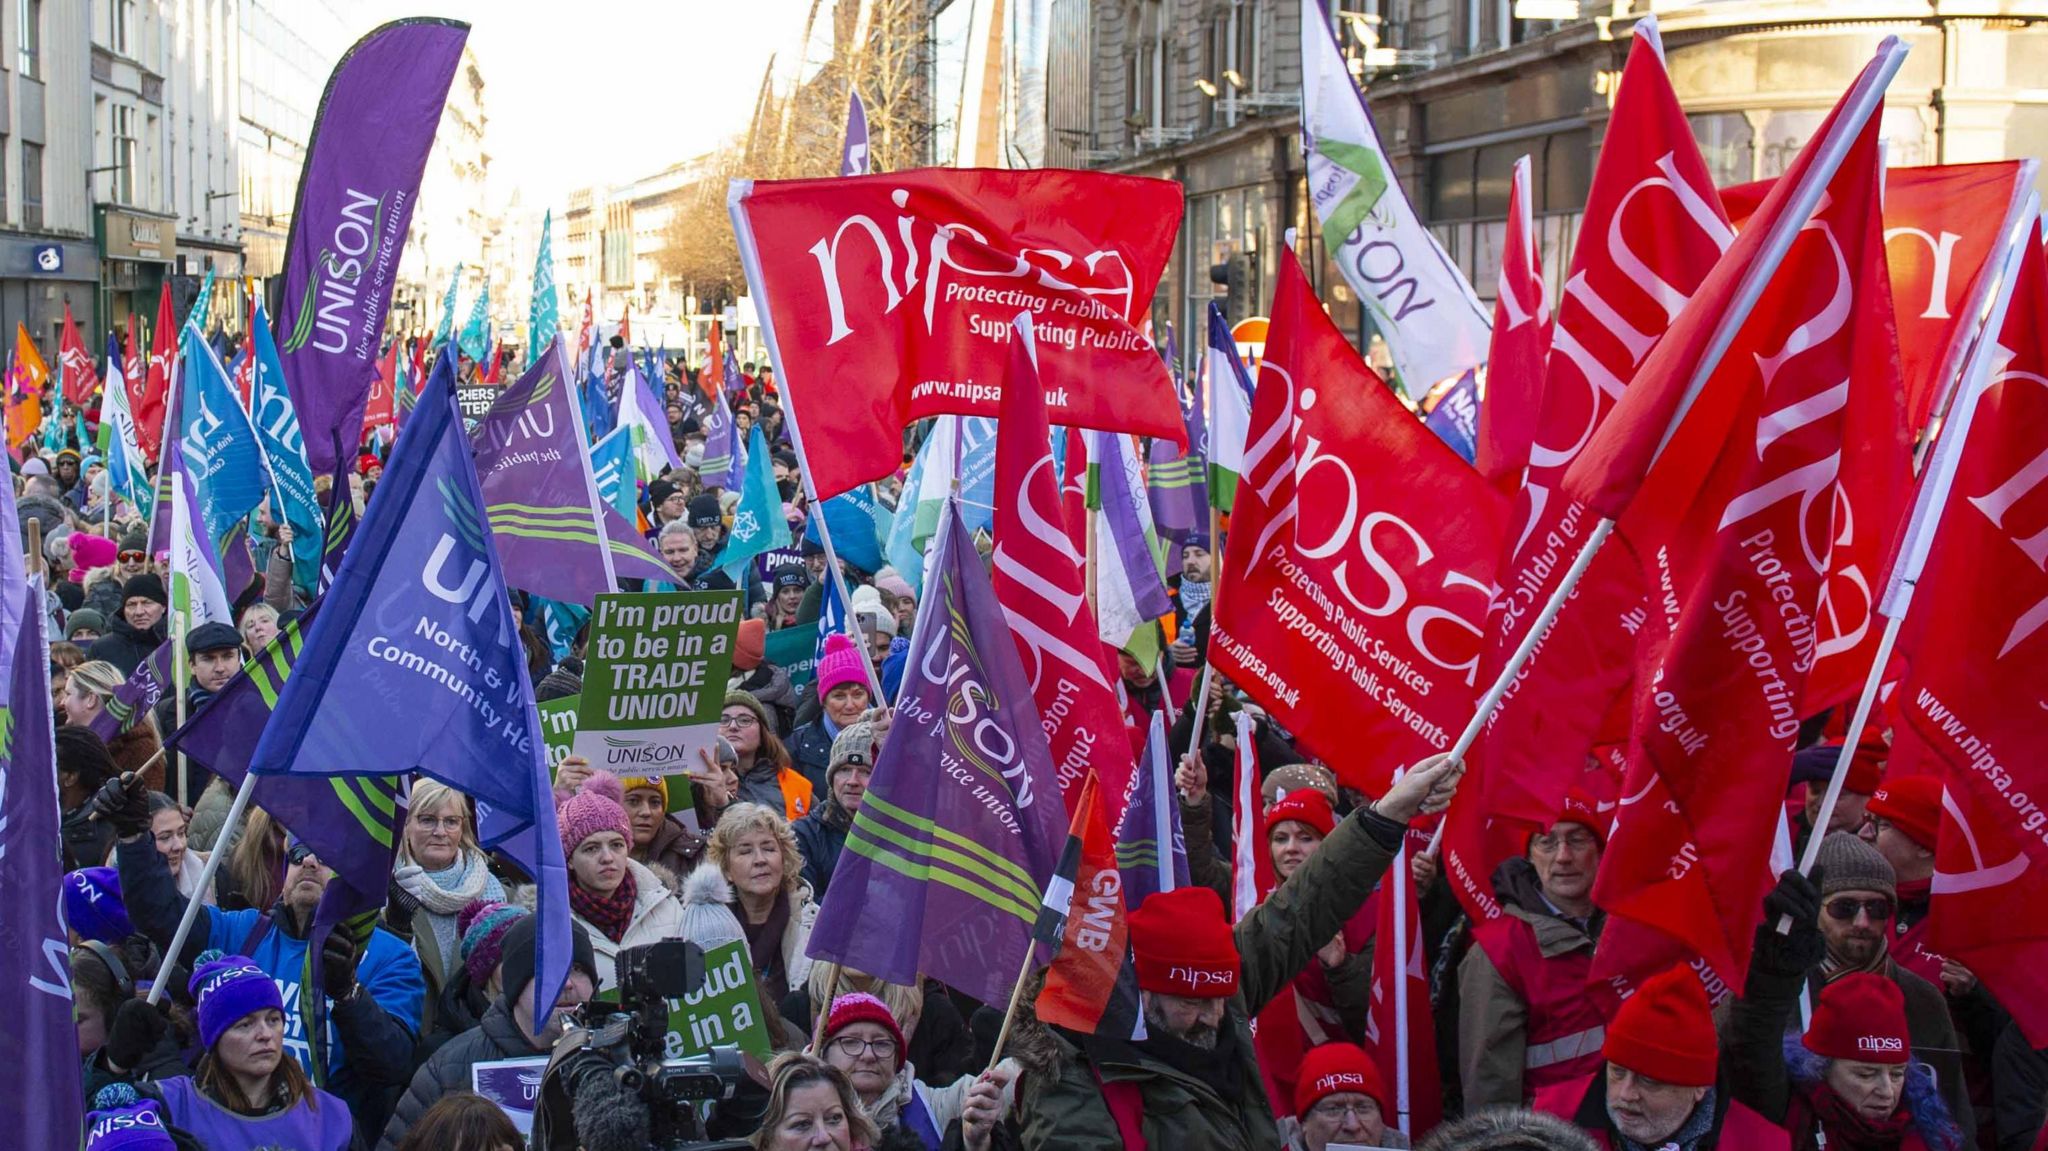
599	806
229	989
483	926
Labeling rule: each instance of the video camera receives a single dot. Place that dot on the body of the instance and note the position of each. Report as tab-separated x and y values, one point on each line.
609	1079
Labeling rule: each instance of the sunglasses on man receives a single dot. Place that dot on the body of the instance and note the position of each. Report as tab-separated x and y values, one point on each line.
1845	910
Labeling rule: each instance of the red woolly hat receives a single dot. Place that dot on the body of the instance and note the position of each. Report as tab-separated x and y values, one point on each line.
1303	805
1666	1031
1860	1017
1912	804
1334	1069
1182	945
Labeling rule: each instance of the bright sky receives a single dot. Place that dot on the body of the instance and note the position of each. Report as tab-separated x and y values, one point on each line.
605	91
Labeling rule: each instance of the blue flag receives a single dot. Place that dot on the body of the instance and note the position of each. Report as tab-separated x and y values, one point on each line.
831	616
598	418
414	663
475	339
223	458
949	855
757	524
611	465
277	425
850	516
977	474
43	1105
1454	417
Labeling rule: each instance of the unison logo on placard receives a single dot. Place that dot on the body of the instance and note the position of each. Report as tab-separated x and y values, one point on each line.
632	752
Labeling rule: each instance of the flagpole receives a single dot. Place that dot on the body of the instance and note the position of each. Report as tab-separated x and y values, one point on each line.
1398	877
1010	1014
206	874
1925	520
750	260
597	500
820	1012
1857	108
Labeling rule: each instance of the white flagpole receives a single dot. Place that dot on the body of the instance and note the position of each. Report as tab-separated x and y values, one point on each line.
1806	197
750	260
1397	876
206	874
597	500
1925	520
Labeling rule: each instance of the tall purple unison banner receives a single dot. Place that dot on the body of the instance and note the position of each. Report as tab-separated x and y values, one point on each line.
854	160
963	823
371	134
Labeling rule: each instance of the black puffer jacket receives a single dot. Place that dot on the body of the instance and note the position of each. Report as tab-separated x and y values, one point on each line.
497	1037
125	645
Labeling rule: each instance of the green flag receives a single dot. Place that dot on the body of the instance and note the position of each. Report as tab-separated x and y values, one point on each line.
447	326
476	331
543	315
757	525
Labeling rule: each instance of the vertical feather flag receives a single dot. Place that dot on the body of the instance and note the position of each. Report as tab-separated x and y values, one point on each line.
544	313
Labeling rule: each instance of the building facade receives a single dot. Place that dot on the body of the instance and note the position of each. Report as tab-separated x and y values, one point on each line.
610	241
47	254
287	49
1207	92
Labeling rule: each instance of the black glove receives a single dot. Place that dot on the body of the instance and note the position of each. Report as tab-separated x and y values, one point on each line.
123	805
1803	947
399	906
1795	895
338	966
137	1029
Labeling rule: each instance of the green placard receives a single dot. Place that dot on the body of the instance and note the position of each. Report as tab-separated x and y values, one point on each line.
654	680
558	728
725	1011
794	650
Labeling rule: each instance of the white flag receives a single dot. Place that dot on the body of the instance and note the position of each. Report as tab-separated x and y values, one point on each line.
1429	316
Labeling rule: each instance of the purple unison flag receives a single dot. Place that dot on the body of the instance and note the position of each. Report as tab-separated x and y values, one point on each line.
1151	852
1455	416
414	664
371	134
854	161
1177	482
43	1107
963	824
534	471
720	466
137	697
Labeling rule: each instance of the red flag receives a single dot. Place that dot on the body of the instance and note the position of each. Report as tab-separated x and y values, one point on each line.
74	363
1360	557
585	334
711	377
1942	223
1521	341
131	365
149	409
1977	690
1083	975
1074	488
1038	577
626	326
1425	1095
889	298
379	409
1734	527
1651	233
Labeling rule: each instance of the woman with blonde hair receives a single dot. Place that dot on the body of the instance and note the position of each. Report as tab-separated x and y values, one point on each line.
756	851
811	1104
253	873
87	693
440	870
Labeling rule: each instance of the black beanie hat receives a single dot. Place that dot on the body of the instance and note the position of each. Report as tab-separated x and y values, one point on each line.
145	586
515	970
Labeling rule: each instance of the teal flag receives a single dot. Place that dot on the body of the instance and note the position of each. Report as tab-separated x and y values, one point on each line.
757	525
203	304
446	329
475	340
544	314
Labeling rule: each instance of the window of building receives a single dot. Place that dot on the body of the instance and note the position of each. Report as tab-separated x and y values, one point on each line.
114	17
1728	144
124	155
29	14
1250	15
31	185
3	178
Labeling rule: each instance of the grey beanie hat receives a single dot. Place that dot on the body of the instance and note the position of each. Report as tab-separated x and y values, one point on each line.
1846	863
707	920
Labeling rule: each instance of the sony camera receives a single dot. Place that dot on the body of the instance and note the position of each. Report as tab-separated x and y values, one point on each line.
609	1086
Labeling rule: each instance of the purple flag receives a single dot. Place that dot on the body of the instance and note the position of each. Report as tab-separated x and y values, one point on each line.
1151	853
540	496
963	824
723	463
134	699
43	1106
414	664
362	174
1177	482
854	161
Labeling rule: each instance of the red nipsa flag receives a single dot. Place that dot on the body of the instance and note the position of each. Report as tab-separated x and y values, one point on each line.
163	348
1977	688
1521	341
1651	233
1360	557
1425	1084
1734	527
890	298
74	363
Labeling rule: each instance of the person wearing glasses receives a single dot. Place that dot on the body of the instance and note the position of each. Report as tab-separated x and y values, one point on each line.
440	870
766	774
1525	1021
1339	1099
864	1040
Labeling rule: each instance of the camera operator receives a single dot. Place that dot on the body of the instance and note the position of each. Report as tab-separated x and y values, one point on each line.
508	1029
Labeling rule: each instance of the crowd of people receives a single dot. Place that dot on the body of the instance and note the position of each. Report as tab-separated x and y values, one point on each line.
1850	1034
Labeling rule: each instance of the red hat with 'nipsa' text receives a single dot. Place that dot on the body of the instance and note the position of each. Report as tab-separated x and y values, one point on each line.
1182	945
1305	807
1912	804
1336	1069
1860	1017
1666	1031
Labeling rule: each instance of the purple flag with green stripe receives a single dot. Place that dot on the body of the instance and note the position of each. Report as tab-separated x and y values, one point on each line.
134	699
962	825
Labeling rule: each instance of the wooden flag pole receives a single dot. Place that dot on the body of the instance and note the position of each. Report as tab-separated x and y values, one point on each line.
821	1011
1805	200
1925	519
1010	1013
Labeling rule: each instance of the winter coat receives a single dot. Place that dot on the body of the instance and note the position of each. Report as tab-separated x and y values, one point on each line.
1736	1127
675	848
1548	958
656	916
1062	1104
496	1037
135	747
770	684
86	840
125	645
820	836
796	938
810	750
1928	1125
103	591
166	716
